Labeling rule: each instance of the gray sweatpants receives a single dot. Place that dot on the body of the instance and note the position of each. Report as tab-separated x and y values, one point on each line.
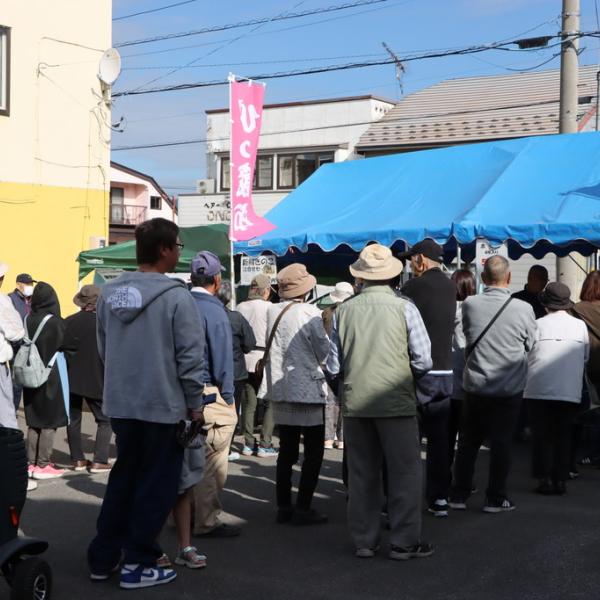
8	416
369	442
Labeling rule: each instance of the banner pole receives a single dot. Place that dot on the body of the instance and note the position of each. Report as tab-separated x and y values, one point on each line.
231	78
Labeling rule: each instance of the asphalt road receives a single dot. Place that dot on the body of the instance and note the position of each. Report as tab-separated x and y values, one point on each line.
549	548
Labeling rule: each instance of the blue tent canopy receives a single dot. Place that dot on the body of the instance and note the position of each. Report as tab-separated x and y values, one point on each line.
541	194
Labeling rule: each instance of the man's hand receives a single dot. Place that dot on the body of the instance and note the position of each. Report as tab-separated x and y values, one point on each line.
197	415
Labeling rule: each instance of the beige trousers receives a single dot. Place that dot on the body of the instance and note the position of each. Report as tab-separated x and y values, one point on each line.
221	419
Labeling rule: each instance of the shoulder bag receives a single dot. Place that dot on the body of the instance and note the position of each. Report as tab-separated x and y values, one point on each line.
259	370
470	349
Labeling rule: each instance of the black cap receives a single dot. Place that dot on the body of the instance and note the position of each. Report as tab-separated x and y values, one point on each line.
556	296
428	248
25	278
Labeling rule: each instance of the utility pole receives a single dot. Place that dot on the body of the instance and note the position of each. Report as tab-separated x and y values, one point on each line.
570	269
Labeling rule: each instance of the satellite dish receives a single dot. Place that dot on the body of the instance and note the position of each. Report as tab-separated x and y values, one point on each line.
109	68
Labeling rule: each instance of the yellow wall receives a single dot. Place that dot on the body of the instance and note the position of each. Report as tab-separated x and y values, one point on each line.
55	143
36	242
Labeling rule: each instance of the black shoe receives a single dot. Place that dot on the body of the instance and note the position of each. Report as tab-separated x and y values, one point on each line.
222	530
439	508
573	472
545	487
307	517
498	505
421	550
560	488
284	514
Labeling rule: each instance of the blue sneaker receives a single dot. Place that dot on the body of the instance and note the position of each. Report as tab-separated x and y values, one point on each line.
138	576
247	451
267	452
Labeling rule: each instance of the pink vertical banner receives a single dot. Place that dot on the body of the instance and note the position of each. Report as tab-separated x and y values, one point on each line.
245	109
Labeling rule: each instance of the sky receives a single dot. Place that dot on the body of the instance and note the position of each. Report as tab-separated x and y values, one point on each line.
346	36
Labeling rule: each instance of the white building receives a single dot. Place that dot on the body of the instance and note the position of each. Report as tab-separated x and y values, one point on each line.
296	139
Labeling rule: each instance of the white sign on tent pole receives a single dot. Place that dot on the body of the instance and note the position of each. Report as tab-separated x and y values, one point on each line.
484	251
252	266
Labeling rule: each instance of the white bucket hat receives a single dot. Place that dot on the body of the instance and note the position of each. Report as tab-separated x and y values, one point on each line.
376	263
343	291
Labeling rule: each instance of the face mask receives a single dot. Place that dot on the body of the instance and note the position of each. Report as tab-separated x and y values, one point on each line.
28	291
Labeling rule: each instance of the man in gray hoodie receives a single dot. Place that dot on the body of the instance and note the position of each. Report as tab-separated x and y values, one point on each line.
500	332
151	340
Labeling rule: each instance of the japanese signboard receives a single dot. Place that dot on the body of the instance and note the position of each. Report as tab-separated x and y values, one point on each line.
246	108
251	267
213	210
484	250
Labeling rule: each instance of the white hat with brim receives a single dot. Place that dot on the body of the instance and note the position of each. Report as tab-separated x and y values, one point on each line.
3	269
376	263
343	291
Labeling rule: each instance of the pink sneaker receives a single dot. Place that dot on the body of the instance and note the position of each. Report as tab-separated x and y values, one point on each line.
30	470
47	472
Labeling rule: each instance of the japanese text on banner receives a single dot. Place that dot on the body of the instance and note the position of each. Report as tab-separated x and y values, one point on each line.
246	117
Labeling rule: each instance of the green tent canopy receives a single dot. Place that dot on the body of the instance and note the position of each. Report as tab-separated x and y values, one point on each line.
122	256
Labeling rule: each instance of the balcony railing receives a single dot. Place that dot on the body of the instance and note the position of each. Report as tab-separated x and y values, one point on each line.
127	214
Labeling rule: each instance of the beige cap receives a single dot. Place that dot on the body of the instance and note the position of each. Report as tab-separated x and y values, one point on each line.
376	263
3	269
258	285
295	281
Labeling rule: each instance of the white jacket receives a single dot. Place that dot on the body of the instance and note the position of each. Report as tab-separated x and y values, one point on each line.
11	328
293	372
557	360
255	311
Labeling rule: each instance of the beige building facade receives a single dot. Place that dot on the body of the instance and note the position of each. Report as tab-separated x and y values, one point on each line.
55	137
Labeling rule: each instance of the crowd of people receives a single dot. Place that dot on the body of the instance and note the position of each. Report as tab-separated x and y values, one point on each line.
175	373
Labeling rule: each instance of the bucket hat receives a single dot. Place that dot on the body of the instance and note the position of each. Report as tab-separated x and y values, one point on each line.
376	263
295	281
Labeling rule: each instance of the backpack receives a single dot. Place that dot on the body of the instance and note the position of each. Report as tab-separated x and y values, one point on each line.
28	367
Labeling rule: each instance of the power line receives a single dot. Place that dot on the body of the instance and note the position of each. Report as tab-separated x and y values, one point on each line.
260	21
153	10
330	68
255	62
215	50
395	120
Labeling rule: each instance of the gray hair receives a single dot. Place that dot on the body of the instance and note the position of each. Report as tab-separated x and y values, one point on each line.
496	270
224	293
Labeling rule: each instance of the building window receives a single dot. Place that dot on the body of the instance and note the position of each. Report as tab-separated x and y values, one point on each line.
117	205
4	70
155	202
225	175
297	168
263	173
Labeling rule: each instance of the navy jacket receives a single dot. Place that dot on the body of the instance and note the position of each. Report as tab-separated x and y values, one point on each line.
243	342
22	306
218	351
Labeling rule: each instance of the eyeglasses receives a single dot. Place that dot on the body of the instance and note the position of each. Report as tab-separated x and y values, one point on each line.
180	245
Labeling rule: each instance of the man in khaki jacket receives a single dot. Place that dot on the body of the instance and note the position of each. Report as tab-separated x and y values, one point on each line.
379	345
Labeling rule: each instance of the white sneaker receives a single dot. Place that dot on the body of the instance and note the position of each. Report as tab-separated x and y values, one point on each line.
31	485
233	456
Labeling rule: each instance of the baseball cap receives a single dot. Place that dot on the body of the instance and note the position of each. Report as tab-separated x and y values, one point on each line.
206	263
261	282
25	278
428	248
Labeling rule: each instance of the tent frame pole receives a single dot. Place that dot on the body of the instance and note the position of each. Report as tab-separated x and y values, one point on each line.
458	256
232	276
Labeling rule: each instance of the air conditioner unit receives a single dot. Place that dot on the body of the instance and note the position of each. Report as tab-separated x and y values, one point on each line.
97	241
205	186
